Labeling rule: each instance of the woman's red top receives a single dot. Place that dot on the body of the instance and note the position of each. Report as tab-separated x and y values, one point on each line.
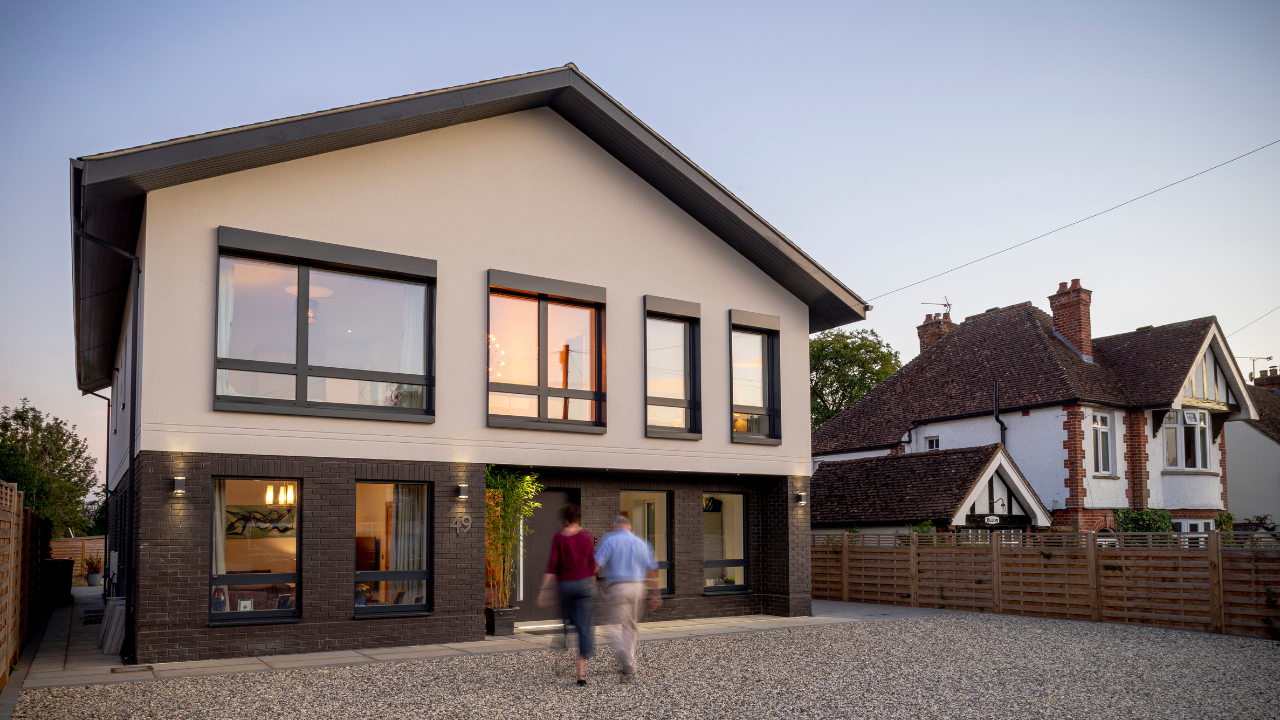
572	556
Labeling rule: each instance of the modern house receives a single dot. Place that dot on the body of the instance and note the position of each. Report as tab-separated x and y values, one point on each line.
319	331
972	488
1127	421
1255	452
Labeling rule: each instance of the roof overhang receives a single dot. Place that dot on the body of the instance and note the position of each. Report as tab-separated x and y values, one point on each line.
1026	495
109	190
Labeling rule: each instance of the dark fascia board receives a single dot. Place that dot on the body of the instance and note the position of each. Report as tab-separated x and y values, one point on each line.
742	318
546	286
109	189
342	256
675	308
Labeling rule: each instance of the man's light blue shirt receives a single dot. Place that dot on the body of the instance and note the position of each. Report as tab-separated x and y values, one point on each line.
624	557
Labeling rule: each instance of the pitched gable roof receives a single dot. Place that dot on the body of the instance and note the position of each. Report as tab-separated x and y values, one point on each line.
108	190
897	488
1267	401
1017	346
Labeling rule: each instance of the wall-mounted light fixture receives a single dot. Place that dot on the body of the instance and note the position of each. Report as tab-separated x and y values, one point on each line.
802	498
462	491
179	486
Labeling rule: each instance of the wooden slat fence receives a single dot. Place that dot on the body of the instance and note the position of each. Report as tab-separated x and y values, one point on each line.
1209	582
78	549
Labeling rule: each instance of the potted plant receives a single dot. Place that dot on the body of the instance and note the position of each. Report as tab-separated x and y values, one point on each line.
93	570
362	591
508	498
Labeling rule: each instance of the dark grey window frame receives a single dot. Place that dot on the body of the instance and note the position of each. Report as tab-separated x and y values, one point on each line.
745	587
770	327
305	255
689	313
256	617
669	590
393	611
546	290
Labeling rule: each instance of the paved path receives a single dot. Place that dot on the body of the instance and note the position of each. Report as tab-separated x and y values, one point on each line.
68	654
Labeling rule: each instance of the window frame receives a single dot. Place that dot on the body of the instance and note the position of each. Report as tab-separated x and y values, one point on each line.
690	314
1103	429
932	442
745	586
769	327
668	564
546	290
364	612
1203	438
305	255
255	617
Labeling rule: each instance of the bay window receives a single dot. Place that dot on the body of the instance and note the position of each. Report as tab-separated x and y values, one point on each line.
316	329
673	406
254	574
1186	439
753	352
392	548
545	345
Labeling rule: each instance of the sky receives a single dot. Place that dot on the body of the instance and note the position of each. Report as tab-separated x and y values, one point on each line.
891	141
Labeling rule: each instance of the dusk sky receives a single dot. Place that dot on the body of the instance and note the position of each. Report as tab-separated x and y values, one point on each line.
891	141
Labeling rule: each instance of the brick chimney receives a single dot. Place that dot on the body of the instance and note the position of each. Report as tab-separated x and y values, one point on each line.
1267	378
934	327
1070	307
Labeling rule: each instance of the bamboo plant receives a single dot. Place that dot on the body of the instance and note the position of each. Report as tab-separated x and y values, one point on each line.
508	497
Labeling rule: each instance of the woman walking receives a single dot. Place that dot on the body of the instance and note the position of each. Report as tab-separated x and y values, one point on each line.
572	564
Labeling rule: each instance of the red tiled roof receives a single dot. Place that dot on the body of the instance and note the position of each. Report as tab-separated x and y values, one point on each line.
897	488
1017	346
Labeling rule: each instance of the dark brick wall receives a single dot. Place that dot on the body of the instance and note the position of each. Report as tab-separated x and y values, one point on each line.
174	540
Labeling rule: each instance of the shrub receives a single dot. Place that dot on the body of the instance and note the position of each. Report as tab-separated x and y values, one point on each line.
1226	521
92	565
1144	521
923	527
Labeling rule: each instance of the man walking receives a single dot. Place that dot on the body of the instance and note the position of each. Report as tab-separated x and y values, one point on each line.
628	564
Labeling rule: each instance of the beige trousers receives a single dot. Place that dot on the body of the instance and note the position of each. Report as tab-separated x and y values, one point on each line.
625	600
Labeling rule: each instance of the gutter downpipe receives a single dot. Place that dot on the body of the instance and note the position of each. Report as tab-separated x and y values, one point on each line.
996	393
128	650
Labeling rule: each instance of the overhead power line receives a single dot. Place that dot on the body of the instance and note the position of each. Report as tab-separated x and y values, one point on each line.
1257	319
1064	227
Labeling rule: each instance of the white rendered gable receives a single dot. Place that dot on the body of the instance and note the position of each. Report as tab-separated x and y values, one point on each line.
1010	487
1215	379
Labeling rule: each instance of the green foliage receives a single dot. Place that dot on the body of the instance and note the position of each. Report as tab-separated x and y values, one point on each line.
1144	520
508	497
51	465
843	366
923	527
1226	521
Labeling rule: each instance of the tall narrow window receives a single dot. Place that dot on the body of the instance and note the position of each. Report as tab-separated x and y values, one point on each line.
1101	443
255	549
544	354
754	360
301	337
1170	431
392	548
724	555
650	517
671	363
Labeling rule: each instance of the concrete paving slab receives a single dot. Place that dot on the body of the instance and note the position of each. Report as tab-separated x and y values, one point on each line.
301	660
222	662
415	654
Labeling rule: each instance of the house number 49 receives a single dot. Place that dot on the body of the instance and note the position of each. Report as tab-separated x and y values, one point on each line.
462	524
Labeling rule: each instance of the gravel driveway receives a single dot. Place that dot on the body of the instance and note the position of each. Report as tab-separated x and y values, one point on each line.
953	666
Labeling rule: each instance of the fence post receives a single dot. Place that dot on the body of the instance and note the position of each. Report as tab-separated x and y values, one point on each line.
1216	620
913	565
1095	595
995	571
844	567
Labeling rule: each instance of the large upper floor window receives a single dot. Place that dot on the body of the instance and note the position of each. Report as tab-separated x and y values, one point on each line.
255	550
301	330
673	407
1186	439
545	347
754	362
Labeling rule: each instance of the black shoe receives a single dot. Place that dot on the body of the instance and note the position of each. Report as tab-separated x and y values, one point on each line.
581	681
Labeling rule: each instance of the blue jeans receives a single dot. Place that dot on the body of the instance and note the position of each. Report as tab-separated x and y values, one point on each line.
577	606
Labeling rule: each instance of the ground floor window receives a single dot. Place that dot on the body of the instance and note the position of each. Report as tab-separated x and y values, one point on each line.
255	549
392	548
650	516
724	558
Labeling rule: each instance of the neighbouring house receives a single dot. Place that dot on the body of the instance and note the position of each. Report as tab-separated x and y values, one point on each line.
1255	453
971	488
319	331
1127	421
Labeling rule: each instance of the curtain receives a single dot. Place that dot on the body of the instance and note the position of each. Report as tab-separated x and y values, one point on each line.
226	304
219	601
409	538
412	327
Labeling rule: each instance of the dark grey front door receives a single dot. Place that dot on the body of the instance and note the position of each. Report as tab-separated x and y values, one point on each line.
544	523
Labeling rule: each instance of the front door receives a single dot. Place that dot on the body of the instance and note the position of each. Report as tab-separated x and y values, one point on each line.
543	524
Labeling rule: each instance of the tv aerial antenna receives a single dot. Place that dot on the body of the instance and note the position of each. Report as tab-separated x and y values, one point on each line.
946	304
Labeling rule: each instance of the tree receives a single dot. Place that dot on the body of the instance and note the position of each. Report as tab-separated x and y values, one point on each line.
843	366
51	465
